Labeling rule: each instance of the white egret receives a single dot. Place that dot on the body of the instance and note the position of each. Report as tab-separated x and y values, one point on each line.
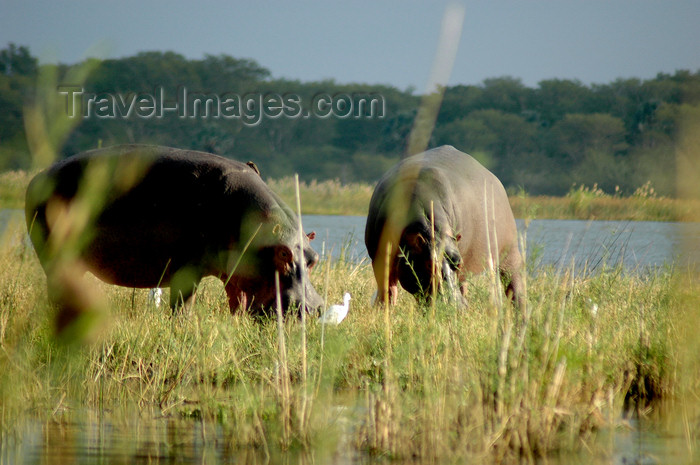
336	313
154	295
592	307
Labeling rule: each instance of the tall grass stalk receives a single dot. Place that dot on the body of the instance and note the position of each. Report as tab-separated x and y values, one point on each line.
305	399
283	381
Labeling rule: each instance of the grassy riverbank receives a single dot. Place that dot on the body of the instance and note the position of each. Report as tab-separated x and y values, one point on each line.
335	198
429	384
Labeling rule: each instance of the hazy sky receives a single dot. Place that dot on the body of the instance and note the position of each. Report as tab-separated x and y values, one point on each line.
594	41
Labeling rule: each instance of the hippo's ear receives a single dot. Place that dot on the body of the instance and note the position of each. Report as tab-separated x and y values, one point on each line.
254	167
415	240
311	235
283	257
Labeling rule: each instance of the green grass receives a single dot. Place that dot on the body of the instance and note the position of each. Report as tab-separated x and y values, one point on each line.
433	384
13	185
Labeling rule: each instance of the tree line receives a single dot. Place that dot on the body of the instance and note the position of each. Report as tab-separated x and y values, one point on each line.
539	139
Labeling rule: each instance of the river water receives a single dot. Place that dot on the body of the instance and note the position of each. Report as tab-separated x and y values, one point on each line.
638	245
151	438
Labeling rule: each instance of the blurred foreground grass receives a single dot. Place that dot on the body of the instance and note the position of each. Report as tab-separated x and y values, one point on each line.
433	384
335	198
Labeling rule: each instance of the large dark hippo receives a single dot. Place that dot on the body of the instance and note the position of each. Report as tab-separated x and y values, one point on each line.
147	216
466	202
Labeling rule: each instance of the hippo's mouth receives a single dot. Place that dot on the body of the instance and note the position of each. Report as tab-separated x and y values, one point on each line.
289	305
418	280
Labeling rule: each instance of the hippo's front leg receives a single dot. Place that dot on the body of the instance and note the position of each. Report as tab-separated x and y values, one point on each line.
236	297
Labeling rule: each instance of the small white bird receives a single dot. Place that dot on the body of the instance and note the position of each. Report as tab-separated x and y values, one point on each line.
336	313
154	295
592	307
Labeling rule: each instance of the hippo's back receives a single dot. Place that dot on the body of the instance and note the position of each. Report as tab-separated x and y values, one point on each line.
470	183
146	209
125	167
446	162
462	191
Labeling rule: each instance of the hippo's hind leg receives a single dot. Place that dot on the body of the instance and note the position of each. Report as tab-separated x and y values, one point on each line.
72	297
512	270
183	285
515	287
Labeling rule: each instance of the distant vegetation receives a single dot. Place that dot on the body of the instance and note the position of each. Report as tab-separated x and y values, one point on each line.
541	140
331	197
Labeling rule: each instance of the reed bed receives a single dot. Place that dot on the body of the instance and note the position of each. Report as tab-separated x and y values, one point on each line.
426	384
591	203
331	197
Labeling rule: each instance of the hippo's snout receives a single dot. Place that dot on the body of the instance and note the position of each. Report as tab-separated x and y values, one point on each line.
418	276
297	292
314	302
450	283
311	301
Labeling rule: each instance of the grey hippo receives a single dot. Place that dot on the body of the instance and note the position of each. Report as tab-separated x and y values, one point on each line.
433	218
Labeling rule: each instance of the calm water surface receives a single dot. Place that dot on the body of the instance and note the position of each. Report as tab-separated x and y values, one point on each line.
154	438
638	245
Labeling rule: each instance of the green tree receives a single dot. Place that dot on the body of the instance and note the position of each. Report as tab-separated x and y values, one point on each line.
578	134
18	71
555	98
507	94
458	101
500	138
541	138
17	61
223	73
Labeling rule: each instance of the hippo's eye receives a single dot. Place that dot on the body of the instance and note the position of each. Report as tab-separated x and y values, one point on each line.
283	257
311	261
454	260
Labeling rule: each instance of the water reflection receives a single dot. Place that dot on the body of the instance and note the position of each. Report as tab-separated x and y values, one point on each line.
140	440
658	441
173	440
